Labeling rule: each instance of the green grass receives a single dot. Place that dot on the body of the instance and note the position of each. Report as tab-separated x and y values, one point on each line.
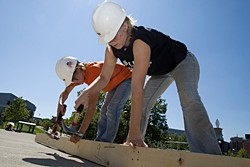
25	129
36	130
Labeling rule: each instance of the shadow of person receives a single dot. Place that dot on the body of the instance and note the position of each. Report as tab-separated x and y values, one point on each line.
59	161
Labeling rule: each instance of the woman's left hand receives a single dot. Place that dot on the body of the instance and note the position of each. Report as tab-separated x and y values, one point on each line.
82	99
136	142
75	138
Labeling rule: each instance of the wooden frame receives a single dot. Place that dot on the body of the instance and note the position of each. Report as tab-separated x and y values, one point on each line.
116	155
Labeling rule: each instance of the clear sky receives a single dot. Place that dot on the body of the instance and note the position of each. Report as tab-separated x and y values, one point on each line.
34	34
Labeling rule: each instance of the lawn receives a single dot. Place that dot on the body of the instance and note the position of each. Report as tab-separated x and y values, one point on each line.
36	130
25	129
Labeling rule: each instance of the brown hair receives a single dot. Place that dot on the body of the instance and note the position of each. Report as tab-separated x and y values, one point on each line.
131	22
81	65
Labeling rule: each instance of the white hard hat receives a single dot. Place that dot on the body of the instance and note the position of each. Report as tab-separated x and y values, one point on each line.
65	68
107	19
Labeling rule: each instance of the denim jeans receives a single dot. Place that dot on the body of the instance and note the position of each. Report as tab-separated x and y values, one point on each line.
199	131
109	119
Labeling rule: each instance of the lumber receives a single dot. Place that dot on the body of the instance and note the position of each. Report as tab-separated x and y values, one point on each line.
114	155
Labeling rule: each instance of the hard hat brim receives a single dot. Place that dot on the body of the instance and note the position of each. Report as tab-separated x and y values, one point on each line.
68	80
109	37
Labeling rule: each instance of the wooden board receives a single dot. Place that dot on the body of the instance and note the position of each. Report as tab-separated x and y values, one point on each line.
116	155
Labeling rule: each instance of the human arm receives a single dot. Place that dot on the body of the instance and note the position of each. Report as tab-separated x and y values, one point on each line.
62	98
141	63
100	82
87	118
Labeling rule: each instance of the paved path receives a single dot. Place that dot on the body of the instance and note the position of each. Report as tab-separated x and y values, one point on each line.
21	150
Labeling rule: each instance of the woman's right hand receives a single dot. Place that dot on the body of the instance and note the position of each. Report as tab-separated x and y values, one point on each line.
82	99
75	138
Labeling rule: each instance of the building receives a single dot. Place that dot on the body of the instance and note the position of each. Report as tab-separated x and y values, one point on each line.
246	144
176	131
7	99
238	143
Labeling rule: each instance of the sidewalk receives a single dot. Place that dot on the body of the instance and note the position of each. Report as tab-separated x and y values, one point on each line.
21	150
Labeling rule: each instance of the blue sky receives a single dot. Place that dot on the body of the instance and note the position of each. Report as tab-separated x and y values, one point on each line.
35	34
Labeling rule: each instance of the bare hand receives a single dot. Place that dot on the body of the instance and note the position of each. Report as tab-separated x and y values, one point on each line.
75	138
136	142
82	99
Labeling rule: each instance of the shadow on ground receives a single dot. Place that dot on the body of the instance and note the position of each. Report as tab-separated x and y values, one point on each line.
56	160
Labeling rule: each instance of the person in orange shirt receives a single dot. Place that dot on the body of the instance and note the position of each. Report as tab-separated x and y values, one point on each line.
74	73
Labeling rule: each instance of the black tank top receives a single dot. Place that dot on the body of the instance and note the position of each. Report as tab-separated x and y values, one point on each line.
166	53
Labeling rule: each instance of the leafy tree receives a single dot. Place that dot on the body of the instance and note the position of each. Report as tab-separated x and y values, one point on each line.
185	145
229	153
68	121
177	142
46	123
242	153
17	110
92	129
157	125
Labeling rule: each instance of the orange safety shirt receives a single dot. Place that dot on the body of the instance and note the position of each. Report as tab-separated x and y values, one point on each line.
120	74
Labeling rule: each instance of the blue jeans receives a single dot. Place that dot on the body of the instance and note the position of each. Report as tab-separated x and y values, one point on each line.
109	119
199	131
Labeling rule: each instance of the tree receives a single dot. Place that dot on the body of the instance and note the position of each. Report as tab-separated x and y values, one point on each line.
242	153
17	110
157	125
177	142
46	124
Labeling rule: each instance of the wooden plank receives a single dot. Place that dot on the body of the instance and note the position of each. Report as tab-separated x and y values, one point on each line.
114	155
